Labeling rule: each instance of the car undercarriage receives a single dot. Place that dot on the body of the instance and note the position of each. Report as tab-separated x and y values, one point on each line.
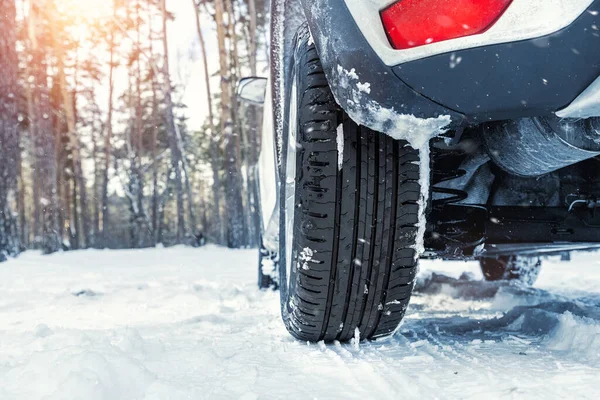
494	195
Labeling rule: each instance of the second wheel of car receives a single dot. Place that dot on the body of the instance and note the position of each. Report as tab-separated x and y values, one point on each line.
349	214
523	269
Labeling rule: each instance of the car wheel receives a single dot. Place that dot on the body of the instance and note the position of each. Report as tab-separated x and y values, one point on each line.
523	269
349	213
267	268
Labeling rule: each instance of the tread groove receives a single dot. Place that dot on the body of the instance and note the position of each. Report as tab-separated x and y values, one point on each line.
354	241
392	237
373	233
334	253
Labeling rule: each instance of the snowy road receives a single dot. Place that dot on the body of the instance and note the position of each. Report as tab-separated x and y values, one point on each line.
190	324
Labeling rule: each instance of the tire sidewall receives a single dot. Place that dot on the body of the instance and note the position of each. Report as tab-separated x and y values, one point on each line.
291	77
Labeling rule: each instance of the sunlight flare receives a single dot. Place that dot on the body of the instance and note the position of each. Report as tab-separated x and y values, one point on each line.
88	10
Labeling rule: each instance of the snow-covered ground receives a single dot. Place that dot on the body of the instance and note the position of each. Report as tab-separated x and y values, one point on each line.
190	324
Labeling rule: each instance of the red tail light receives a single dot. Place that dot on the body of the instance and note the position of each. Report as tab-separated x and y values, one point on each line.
412	23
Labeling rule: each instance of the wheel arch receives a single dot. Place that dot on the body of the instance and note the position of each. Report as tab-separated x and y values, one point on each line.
366	88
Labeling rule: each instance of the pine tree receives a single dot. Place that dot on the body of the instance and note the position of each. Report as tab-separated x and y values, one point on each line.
9	140
44	135
174	140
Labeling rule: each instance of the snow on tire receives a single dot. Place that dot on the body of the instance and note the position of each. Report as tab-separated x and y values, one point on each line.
353	260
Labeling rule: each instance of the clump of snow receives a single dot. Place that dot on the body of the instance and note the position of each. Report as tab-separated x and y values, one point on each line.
351	74
364	87
42	331
306	256
579	336
424	179
454	60
268	267
416	131
356	339
340	146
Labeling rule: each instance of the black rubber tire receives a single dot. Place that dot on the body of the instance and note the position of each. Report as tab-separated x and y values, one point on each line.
360	221
523	269
267	259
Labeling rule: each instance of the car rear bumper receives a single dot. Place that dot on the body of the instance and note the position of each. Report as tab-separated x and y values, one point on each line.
531	77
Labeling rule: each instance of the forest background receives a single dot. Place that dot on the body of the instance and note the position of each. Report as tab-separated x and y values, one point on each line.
119	124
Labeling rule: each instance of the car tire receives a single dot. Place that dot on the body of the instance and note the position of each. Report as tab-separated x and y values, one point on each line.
267	269
523	269
351	224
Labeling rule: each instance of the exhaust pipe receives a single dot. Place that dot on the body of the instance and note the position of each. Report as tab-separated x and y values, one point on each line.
531	147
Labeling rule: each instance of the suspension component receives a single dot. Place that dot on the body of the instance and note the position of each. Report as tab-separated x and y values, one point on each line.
583	201
446	167
531	147
454	229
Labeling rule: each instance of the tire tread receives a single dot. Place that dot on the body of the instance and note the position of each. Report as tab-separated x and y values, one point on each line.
360	221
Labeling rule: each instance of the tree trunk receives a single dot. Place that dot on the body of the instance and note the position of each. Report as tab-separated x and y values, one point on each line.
252	50
141	219
253	134
154	120
74	230
63	189
215	142
154	168
97	174
176	156
51	241
9	140
190	193
108	139
235	203
238	226
204	216
45	141
136	181
225	117
22	207
78	177
33	132
85	218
